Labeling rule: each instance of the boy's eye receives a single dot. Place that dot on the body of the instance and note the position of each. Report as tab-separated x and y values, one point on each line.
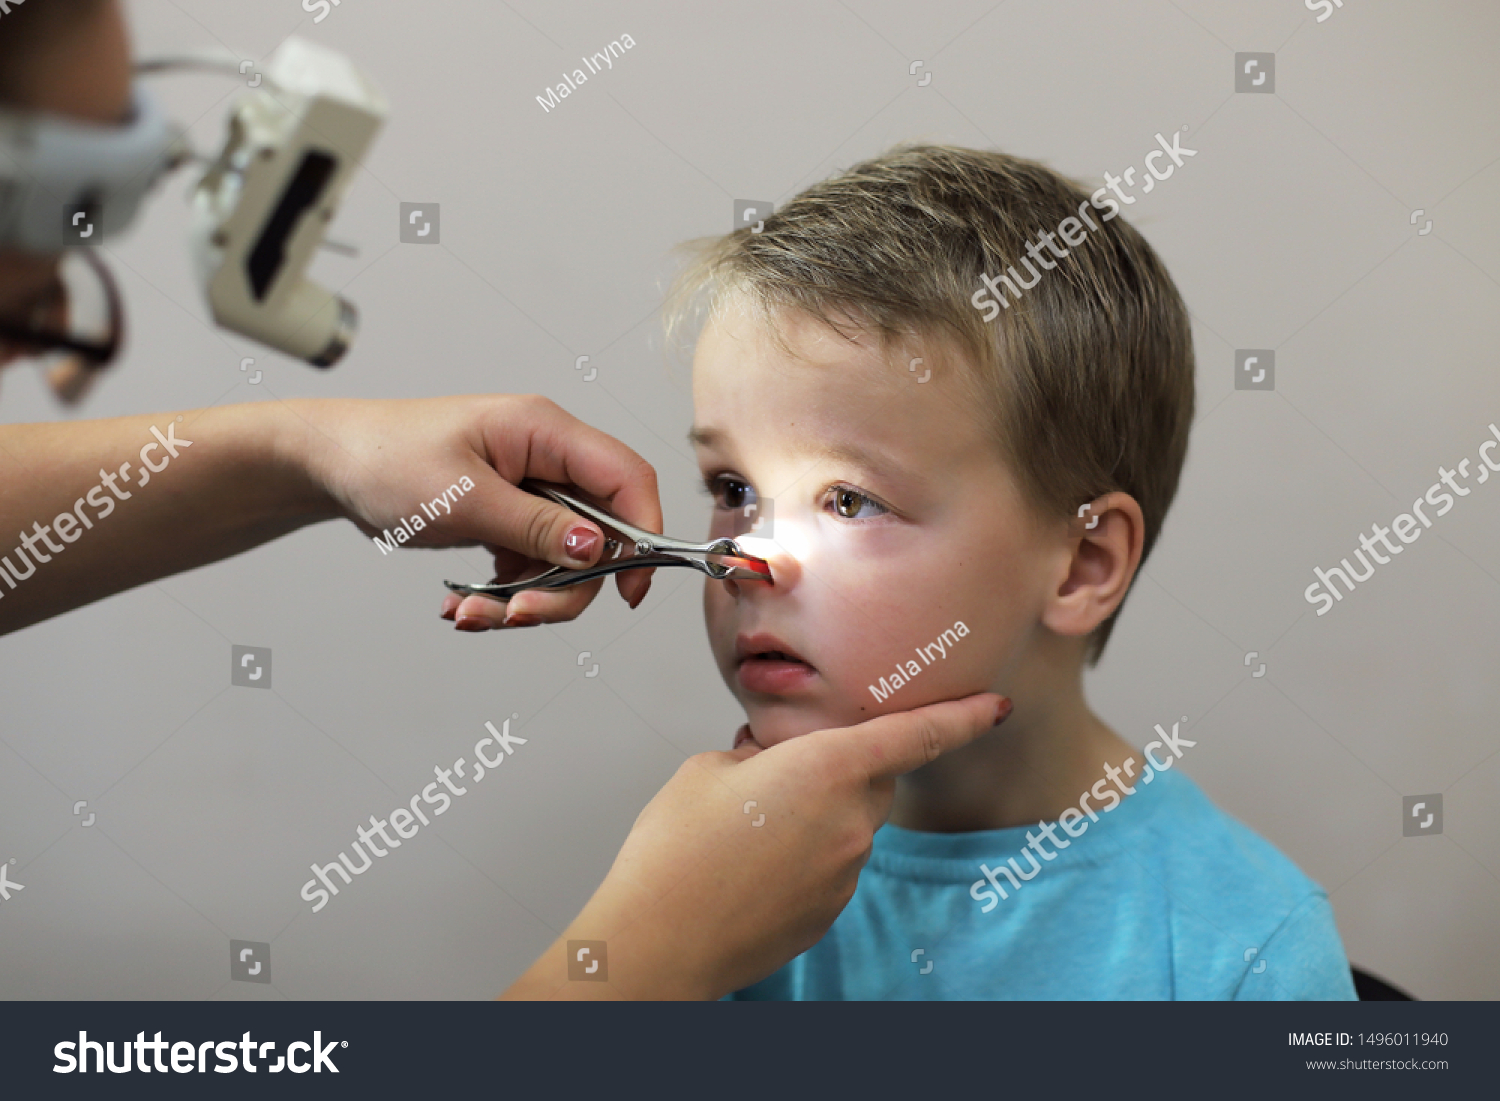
853	505
731	492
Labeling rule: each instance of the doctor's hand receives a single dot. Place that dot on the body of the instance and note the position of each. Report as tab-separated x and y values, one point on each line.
707	896
381	461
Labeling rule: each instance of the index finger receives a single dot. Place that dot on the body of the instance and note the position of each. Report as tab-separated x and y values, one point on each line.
564	449
601	465
561	448
897	743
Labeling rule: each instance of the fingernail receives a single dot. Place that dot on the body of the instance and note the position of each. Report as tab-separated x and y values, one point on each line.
1002	710
522	619
580	544
471	623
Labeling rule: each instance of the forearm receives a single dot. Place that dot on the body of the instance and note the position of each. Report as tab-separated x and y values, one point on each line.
90	508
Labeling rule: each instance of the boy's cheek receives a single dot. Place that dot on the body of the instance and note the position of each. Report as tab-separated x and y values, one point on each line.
718	618
715	610
907	680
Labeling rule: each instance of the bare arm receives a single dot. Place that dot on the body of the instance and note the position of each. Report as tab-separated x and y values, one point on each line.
102	506
80	484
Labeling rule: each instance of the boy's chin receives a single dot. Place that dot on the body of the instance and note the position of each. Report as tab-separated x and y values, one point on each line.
776	723
773	725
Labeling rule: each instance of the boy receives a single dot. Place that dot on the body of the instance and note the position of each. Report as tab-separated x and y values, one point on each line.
958	389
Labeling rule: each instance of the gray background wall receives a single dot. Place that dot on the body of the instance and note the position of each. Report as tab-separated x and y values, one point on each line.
1289	230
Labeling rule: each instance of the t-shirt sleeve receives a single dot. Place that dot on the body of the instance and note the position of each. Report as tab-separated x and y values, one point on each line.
1303	960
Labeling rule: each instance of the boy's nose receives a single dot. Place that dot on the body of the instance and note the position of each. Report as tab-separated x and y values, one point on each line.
785	571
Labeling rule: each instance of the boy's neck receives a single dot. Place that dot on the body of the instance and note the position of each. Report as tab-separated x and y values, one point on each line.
1030	769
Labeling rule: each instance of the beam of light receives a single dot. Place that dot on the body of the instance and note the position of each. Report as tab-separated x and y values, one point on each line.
787	537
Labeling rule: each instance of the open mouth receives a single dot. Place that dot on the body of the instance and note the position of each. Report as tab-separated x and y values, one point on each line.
764	647
774	655
767	665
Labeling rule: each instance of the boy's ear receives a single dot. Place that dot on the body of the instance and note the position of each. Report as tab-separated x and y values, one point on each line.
1102	549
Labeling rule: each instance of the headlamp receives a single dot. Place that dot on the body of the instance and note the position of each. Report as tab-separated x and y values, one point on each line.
66	183
260	211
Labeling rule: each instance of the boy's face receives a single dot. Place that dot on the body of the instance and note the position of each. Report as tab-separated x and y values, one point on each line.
894	519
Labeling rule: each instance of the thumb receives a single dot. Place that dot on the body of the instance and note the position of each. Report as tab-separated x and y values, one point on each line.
905	740
530	525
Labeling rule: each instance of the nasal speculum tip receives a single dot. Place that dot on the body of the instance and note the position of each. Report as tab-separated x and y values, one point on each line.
758	566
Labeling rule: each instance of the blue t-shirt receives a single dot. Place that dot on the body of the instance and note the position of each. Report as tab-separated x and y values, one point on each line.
1163	897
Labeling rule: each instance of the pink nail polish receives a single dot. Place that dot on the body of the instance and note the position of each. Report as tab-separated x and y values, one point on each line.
580	543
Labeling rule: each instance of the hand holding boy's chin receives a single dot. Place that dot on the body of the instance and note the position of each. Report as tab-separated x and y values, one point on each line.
768	726
771	724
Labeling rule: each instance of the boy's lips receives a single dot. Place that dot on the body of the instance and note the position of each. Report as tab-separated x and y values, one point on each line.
767	665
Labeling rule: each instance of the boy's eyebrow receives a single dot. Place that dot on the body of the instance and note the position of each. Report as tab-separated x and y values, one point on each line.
841	450
866	458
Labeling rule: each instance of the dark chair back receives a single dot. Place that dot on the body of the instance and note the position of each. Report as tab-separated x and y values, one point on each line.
1371	989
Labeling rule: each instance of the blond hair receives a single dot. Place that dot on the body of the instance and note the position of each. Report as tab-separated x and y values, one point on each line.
1088	374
